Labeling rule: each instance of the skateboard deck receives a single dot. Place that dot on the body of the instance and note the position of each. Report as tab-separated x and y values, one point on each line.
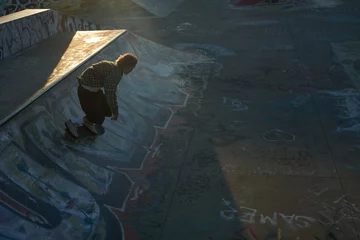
84	133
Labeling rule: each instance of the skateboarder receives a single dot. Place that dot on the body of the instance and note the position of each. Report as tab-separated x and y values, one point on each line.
97	105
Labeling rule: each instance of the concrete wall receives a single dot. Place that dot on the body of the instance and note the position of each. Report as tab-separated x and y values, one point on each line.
12	6
23	29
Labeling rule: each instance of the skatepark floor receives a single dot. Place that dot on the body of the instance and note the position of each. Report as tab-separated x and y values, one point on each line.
269	150
273	154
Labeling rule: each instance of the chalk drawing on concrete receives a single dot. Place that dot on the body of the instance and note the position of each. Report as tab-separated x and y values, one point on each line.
215	50
234	104
276	135
182	27
349	102
251	216
335	211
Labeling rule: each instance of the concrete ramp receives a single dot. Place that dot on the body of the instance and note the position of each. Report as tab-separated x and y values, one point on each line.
54	189
160	8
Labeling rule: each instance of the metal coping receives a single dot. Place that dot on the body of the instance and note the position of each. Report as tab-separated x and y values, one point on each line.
34	97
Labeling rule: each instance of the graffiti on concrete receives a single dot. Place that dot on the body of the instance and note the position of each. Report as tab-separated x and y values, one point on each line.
12	6
53	202
82	191
22	33
250	216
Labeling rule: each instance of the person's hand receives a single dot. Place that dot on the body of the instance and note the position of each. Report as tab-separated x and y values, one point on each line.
115	117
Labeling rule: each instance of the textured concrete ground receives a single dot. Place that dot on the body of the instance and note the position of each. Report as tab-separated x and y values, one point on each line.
274	153
270	149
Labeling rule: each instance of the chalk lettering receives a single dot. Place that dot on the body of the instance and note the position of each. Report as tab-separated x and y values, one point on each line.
317	191
303	221
228	214
250	215
273	220
288	219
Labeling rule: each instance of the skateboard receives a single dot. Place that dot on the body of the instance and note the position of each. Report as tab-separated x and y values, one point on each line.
84	133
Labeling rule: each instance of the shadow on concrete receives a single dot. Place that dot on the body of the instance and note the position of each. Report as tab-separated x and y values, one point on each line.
26	73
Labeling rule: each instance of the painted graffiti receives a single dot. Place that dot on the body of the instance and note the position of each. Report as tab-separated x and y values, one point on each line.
250	216
51	192
12	6
20	34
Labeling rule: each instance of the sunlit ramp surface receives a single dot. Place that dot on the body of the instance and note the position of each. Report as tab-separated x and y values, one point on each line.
26	75
54	189
25	29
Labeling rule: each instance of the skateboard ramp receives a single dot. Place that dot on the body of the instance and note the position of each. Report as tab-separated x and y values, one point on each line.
54	189
160	8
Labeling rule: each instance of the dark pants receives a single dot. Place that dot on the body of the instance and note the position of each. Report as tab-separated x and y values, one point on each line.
94	105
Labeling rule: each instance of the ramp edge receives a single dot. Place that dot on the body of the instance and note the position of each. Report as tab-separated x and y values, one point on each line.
21	14
42	91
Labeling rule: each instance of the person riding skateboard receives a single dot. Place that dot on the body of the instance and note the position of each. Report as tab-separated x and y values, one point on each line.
95	104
